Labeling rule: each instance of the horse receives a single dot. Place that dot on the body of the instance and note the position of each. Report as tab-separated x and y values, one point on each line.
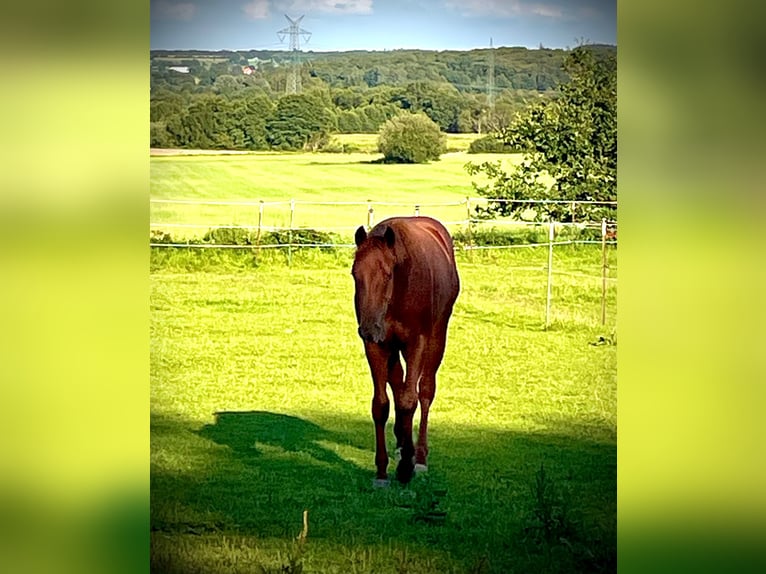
406	283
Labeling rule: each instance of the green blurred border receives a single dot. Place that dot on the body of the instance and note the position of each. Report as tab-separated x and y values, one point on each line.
74	470
691	359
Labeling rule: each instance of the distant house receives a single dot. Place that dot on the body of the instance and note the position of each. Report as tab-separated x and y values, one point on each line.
248	70
180	69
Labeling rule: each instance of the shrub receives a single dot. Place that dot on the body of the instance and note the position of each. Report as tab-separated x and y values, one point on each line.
500	237
411	138
490	144
228	236
301	237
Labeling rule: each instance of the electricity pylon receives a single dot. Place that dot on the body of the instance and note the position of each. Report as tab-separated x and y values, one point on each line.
295	31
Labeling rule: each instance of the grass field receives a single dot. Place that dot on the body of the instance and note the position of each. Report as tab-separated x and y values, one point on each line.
260	395
260	401
307	177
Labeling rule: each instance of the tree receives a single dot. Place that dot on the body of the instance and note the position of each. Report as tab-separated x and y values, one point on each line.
569	145
300	121
411	138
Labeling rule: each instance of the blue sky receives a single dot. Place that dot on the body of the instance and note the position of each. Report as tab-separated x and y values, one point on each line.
381	24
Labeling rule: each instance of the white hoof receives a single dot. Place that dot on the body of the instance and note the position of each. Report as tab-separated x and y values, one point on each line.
381	483
421	468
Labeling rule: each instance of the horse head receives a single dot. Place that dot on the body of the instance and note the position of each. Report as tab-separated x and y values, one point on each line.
373	272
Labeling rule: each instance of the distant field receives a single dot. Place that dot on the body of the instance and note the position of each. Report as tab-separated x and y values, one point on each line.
314	177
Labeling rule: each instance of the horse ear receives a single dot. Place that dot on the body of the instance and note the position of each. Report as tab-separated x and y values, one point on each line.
389	237
360	235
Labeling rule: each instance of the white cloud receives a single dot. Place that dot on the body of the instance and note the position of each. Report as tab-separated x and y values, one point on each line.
505	8
328	6
183	11
256	9
261	9
546	11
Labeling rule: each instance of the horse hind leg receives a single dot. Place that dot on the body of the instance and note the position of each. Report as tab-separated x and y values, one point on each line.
425	396
406	405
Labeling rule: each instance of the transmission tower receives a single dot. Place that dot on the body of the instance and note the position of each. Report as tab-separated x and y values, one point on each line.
491	80
295	31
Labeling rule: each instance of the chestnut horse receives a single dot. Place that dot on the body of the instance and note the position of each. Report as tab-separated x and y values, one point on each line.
406	285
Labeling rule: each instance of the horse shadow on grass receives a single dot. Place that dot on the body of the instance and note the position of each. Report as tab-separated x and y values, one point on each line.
254	434
254	473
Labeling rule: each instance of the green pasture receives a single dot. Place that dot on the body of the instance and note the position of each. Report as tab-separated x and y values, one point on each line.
260	410
317	181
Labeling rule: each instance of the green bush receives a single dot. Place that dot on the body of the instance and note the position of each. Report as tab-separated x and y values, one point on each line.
411	138
500	237
240	236
490	144
228	236
484	236
301	237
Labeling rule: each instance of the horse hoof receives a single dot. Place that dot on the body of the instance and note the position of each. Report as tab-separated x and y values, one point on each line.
421	468
381	483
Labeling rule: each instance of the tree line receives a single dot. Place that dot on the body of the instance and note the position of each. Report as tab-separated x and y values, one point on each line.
237	100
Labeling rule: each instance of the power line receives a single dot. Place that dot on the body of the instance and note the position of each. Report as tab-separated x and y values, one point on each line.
294	77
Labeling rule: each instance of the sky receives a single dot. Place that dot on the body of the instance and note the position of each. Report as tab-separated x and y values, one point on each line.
342	25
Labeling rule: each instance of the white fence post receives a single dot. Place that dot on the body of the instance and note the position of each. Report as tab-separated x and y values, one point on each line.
260	222
603	271
290	233
550	275
370	215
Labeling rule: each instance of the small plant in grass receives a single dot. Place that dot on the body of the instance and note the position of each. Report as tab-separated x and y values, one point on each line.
608	340
549	520
294	562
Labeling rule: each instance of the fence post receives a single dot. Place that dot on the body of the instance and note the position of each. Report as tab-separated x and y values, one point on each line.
258	233
603	271
468	231
550	275
370	215
417	211
290	233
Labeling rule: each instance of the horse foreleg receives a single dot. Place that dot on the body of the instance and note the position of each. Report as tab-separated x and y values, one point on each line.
406	403
396	379
378	361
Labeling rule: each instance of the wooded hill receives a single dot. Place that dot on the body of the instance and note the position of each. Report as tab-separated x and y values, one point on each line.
227	99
